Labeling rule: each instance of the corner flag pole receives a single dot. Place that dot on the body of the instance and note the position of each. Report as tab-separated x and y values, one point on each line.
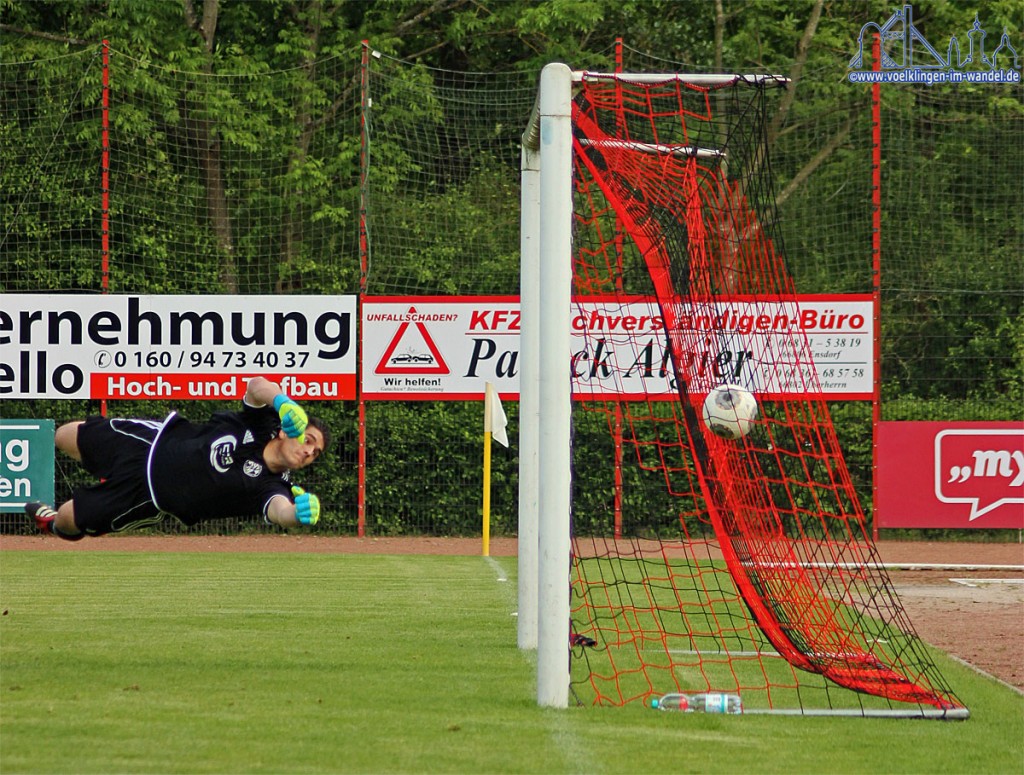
487	472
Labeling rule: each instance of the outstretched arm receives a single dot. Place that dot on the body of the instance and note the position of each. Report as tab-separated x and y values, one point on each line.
305	510
281	512
261	392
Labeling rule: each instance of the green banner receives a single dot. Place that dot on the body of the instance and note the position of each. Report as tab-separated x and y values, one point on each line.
26	463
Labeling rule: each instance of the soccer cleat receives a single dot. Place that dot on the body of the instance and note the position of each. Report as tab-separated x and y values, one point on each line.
43	516
45	519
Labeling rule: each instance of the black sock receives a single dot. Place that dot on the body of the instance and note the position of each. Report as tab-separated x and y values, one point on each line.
66	536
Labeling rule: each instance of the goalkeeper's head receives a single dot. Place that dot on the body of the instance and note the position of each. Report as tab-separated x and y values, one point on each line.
284	452
325	433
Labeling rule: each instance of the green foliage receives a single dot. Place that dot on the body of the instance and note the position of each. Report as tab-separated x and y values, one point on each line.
487	229
266	114
413	448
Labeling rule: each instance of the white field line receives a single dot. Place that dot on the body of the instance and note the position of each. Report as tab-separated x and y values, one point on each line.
575	753
979	582
502	576
895	566
949	566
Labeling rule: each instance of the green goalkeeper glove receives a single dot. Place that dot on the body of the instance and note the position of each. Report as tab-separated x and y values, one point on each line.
293	418
307	506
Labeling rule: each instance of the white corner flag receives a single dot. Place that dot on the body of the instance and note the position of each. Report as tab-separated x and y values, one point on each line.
495	421
494	428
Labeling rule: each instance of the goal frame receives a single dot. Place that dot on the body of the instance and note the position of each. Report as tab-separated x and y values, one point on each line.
545	388
546	277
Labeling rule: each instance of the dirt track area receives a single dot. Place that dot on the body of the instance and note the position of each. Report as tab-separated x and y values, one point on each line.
966	599
974	612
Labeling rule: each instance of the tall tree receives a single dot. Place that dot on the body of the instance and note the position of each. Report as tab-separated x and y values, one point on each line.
208	140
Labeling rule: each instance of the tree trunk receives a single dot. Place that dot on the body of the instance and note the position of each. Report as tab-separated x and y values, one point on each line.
210	153
293	216
729	239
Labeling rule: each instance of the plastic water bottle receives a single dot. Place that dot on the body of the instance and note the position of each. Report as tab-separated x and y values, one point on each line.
710	702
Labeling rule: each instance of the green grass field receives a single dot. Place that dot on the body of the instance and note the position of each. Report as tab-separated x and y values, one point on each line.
291	663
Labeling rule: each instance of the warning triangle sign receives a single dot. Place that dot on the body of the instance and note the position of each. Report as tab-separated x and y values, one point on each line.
412	351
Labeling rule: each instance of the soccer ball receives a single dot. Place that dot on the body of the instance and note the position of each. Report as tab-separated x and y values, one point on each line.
730	411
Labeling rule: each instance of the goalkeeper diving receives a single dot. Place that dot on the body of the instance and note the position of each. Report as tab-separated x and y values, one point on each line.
234	465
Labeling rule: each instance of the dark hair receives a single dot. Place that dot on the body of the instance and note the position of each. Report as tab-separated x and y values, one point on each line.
317	423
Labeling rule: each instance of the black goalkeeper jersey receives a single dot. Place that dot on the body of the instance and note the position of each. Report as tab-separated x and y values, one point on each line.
216	469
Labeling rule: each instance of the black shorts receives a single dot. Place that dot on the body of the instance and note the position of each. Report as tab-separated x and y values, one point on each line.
116	451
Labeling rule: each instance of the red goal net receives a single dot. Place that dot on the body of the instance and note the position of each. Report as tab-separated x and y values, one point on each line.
712	564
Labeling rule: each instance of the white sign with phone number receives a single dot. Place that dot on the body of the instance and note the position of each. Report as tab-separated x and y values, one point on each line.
446	348
175	347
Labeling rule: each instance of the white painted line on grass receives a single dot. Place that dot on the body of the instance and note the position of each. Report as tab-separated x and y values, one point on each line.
577	755
502	576
979	582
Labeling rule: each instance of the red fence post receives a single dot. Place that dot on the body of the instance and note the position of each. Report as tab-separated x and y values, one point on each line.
105	184
876	273
364	88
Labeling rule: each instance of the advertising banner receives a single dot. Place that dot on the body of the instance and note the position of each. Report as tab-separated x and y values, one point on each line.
950	475
175	347
26	463
448	347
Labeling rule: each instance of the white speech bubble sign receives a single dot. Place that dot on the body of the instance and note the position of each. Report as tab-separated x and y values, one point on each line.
1012	466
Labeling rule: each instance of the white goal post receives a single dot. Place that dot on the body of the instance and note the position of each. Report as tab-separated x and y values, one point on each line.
545	387
545	391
